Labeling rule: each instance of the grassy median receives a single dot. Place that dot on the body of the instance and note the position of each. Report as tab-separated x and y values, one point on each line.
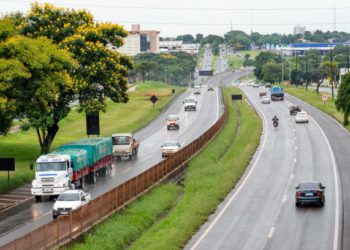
120	117
315	100
210	176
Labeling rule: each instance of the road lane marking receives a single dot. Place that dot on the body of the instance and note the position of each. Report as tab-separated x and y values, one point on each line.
284	198
296	147
295	160
336	186
292	177
271	232
126	170
240	186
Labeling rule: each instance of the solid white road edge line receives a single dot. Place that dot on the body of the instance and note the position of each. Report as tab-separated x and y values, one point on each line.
336	186
240	186
271	232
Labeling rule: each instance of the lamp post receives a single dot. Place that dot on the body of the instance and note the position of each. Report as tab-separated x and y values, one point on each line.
330	51
347	57
306	75
296	69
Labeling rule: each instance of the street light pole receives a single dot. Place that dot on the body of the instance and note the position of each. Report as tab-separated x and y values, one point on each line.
347	56
306	76
332	72
296	69
282	67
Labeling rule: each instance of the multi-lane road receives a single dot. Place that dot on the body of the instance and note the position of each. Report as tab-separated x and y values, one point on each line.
260	213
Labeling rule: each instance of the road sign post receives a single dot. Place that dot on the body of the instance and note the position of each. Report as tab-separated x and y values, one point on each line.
7	164
236	97
324	98
153	99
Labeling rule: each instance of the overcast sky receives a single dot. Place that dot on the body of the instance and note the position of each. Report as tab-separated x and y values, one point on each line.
177	17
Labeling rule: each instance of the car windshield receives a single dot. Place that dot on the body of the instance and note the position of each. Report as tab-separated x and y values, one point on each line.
309	186
172	117
190	100
301	113
121	140
51	166
170	144
68	197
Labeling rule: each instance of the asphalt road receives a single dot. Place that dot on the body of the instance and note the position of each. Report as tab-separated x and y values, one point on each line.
192	124
260	212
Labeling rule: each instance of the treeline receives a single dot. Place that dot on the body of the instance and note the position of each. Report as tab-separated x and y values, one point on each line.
174	68
240	40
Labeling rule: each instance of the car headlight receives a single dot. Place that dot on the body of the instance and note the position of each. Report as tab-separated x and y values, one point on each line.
34	183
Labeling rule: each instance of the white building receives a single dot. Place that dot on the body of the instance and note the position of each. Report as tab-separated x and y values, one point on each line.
132	44
299	30
176	46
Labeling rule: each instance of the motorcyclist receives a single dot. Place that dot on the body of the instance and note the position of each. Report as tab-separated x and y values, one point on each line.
275	121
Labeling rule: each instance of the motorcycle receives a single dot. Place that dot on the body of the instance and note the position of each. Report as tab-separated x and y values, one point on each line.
275	124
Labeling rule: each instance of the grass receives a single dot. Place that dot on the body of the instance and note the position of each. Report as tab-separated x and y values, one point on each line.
120	117
314	99
210	176
236	60
123	228
214	60
248	77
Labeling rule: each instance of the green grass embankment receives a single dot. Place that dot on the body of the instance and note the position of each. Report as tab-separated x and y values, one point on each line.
236	60
120	117
315	100
210	176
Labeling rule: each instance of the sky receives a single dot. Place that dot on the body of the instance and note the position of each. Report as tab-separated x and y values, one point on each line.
179	17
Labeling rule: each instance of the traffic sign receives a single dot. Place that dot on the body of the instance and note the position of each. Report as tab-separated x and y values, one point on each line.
153	99
324	97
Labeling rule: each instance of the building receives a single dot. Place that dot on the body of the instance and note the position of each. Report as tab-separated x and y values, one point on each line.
299	30
139	41
172	46
301	48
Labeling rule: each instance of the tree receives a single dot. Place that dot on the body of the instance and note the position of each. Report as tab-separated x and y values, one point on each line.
199	38
262	59
343	99
102	73
238	39
144	68
271	72
36	83
186	38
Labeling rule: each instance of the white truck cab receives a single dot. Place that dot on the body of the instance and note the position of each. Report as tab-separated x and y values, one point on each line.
53	175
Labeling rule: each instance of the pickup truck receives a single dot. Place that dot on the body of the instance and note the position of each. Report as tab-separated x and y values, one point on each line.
68	201
125	145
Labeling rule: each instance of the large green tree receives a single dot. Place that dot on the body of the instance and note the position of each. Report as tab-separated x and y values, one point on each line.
102	72
272	72
35	84
343	99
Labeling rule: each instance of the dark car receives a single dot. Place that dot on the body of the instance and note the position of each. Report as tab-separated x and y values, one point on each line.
310	193
210	89
293	110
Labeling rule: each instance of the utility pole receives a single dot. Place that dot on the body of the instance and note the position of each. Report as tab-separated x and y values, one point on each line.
296	69
282	67
332	72
306	75
347	57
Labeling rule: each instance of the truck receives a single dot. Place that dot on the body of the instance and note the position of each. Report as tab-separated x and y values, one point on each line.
70	166
190	104
277	93
125	145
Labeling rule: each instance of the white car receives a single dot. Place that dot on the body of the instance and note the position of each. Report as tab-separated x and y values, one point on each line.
169	148
302	116
190	104
265	100
172	122
68	201
197	90
256	85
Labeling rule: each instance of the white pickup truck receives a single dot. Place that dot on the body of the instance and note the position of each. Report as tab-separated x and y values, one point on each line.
125	145
68	201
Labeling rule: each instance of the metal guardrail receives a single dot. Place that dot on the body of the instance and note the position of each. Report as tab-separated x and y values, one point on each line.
66	228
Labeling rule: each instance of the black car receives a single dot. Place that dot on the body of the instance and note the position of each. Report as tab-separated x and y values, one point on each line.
310	193
210	89
293	110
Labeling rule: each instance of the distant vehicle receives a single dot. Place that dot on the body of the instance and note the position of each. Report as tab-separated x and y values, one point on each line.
210	89
68	201
267	85
310	193
277	93
197	90
172	122
190	104
261	94
70	165
125	145
255	85
249	84
169	148
265	100
293	110
302	117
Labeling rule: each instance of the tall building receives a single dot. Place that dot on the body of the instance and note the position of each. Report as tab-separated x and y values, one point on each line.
139	41
299	30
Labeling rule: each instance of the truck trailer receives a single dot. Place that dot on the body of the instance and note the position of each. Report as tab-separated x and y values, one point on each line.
71	165
277	93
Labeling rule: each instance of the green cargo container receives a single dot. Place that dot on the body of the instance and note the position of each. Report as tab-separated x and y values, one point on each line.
78	157
97	148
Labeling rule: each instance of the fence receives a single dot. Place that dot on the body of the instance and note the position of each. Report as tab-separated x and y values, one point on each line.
66	228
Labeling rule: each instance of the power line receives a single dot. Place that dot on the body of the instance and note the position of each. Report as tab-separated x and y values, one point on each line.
186	8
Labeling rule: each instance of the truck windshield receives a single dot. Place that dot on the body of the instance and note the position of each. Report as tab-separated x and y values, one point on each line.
121	140
68	197
51	166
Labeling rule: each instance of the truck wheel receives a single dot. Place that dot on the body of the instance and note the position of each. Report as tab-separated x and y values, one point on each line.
131	156
82	182
37	198
93	177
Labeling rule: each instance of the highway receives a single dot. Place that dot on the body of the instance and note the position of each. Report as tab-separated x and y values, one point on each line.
21	220
260	213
